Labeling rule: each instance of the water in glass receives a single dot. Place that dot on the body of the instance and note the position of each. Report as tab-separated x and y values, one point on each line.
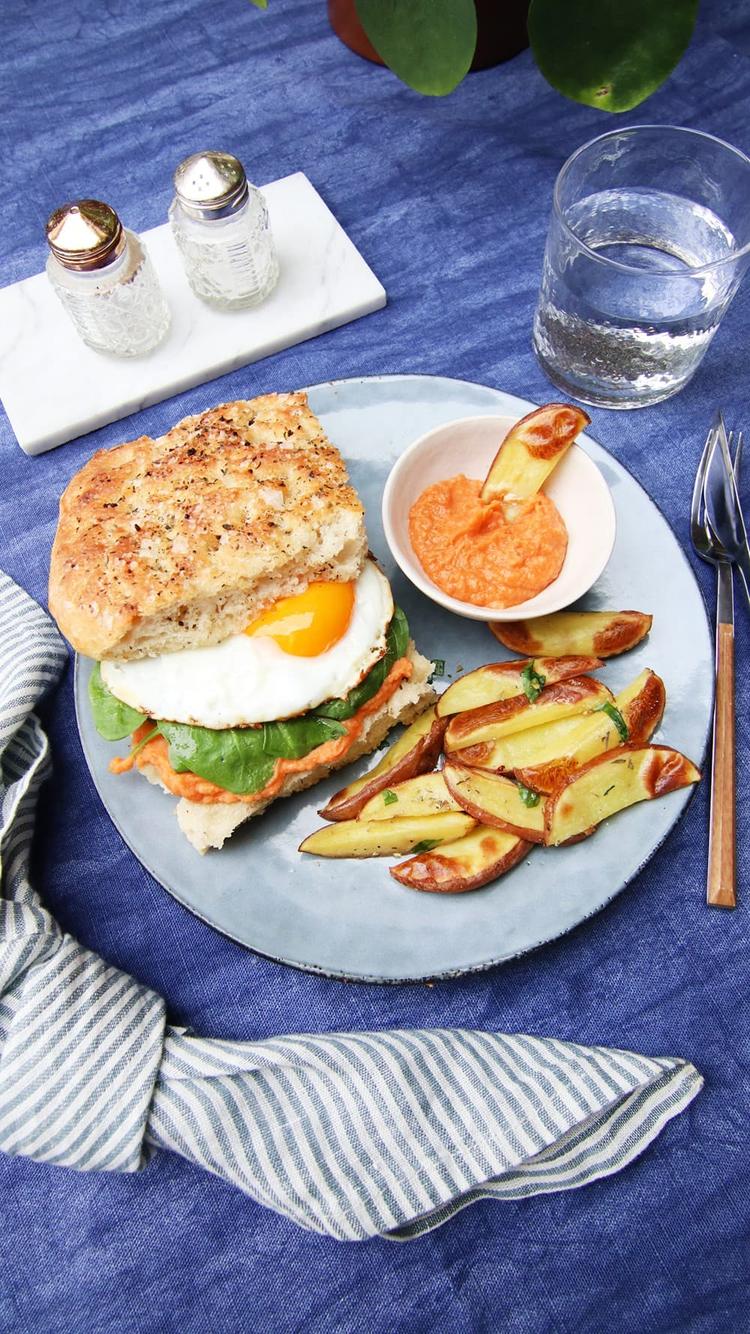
632	330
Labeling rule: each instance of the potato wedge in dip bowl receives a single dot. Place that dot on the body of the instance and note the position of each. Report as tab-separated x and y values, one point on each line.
468	449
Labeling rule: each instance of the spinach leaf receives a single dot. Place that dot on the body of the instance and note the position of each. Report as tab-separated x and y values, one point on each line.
296	737
232	758
242	759
112	719
397	642
533	683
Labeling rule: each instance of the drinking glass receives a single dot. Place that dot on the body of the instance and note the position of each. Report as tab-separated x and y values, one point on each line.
648	243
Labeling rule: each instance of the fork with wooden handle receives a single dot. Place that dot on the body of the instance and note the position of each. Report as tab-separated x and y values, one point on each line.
712	528
732	534
722	838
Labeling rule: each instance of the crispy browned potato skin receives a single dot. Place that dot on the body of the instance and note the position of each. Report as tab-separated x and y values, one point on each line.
532	448
502	680
346	805
645	712
469	863
484	814
545	778
642	717
464	728
624	630
656	770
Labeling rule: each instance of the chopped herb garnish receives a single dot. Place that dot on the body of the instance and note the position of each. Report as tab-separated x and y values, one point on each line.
533	683
608	790
389	796
438	670
426	845
617	718
528	797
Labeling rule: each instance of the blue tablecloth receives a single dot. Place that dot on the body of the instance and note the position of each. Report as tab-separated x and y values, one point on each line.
448	200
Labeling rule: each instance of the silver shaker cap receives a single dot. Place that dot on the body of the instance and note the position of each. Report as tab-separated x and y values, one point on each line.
85	234
211	185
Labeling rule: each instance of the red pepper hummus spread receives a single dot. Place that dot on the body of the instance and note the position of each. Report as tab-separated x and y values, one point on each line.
493	553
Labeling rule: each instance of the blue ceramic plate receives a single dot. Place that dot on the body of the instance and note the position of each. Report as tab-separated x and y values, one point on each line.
350	919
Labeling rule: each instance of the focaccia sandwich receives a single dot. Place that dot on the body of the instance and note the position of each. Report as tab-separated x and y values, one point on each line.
219	577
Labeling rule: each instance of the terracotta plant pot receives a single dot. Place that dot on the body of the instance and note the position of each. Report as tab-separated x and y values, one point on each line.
501	30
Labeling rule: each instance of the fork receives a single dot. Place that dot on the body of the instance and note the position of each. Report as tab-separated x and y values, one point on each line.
720	884
734	532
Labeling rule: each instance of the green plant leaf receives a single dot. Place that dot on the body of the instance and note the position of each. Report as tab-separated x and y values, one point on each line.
112	719
610	54
429	44
260	4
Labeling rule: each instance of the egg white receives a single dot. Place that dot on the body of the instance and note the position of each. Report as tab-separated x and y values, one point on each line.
249	679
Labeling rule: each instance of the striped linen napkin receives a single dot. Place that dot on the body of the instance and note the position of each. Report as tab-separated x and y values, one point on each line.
350	1134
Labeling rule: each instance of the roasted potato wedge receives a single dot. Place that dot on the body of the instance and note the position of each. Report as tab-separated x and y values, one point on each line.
387	838
531	449
609	783
415	752
497	801
603	633
641	707
541	757
427	794
470	862
504	680
579	694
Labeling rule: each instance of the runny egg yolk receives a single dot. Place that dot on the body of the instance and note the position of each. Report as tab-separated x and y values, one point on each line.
309	623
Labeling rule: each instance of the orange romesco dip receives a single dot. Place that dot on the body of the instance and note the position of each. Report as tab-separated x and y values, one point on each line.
483	552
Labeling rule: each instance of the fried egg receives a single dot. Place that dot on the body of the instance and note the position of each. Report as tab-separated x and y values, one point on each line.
301	651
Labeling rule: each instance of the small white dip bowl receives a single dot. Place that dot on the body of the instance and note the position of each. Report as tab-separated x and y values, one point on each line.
468	446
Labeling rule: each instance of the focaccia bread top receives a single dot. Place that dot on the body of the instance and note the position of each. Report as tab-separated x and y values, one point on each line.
178	542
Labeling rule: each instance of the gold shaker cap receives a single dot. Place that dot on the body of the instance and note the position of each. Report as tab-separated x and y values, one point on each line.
211	184
85	234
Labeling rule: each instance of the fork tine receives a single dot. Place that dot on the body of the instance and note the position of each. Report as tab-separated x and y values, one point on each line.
697	503
738	458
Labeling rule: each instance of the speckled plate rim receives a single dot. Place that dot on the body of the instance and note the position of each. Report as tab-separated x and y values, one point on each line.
481	966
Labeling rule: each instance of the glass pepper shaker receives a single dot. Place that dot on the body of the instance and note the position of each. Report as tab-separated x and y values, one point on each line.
220	224
105	280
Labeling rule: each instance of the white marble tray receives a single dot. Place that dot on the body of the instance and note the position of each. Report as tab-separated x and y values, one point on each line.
54	388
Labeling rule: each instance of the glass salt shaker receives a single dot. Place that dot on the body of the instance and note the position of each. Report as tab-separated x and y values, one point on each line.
104	279
220	224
